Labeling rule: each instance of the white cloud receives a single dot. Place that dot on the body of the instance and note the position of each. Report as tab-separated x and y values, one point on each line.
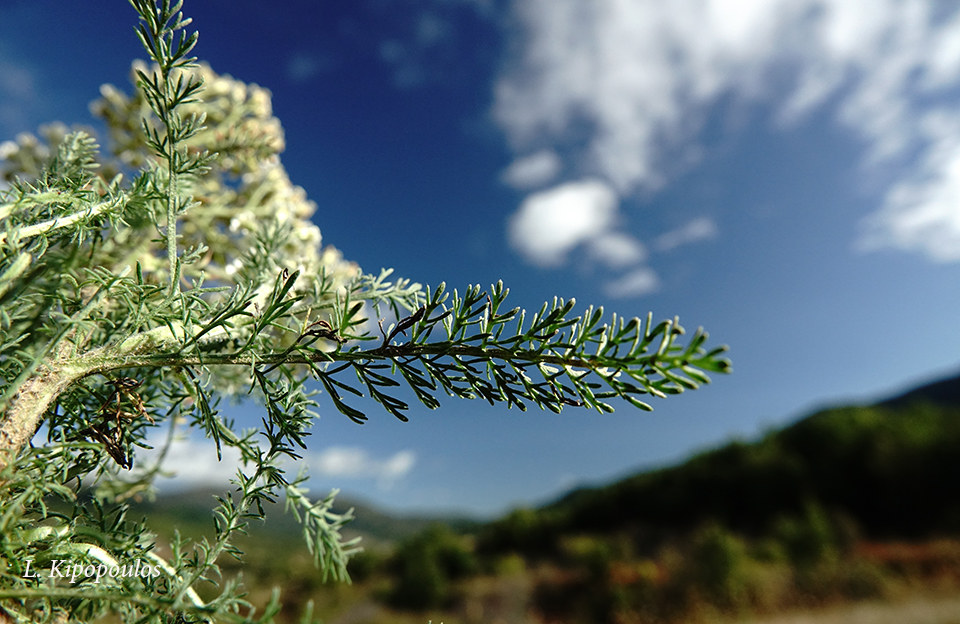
343	461
398	465
551	223
699	229
357	463
617	250
641	281
922	212
533	171
193	462
623	87
637	75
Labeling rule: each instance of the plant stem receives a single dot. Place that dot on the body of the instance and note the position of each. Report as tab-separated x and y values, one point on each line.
28	407
173	191
50	225
392	352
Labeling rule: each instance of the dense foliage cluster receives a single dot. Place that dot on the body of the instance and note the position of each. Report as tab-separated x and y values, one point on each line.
140	287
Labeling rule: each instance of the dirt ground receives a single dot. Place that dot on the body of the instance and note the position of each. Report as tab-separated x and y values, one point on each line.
925	610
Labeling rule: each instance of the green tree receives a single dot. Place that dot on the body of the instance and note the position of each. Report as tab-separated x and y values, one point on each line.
425	566
528	531
139	288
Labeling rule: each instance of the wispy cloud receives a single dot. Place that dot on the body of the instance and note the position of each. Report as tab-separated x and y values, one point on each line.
702	228
617	250
638	282
622	90
303	66
922	210
413	57
534	170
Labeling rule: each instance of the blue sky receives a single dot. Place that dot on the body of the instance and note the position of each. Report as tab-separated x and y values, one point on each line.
785	173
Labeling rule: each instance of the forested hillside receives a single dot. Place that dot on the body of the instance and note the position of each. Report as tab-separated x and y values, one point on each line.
891	467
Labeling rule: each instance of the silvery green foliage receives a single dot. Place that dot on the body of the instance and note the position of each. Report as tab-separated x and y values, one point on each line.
139	288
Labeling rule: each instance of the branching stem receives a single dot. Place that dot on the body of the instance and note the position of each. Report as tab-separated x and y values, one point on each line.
46	227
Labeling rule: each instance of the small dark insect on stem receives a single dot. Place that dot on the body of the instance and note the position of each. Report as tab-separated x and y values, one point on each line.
112	441
124	389
322	329
113	413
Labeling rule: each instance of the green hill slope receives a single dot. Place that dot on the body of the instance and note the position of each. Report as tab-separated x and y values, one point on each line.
892	467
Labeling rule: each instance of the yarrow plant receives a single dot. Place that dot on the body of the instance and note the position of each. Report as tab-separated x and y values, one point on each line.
138	288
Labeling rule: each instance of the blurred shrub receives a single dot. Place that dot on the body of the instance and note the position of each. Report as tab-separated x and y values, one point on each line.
510	564
716	568
421	583
425	566
594	554
809	538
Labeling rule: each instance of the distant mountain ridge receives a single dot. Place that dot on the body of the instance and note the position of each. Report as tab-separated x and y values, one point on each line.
189	511
943	392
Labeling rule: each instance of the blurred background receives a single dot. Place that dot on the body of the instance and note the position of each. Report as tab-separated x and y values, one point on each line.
784	173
